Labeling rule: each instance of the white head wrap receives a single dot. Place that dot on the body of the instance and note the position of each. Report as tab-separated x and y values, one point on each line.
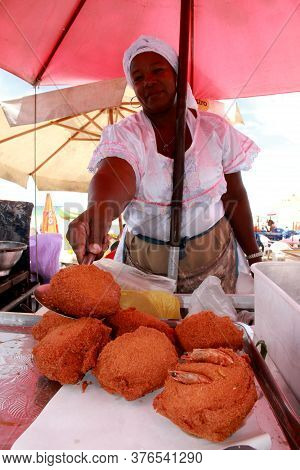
152	44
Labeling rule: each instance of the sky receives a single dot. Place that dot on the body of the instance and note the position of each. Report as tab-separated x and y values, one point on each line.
273	122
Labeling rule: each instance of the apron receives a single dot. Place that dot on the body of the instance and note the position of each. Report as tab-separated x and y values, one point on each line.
211	253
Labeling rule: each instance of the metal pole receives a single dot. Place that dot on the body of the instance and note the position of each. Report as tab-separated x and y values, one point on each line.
192	45
178	172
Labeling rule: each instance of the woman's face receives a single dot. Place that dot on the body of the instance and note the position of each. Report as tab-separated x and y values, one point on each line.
154	82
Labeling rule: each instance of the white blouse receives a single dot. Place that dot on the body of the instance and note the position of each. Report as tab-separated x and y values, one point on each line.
217	149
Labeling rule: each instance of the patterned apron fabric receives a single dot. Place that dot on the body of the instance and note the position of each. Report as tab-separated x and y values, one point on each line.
211	253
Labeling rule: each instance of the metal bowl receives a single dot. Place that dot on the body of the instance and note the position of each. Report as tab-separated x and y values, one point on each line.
10	253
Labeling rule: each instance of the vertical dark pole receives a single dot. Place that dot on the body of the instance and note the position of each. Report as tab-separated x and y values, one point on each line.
178	171
192	45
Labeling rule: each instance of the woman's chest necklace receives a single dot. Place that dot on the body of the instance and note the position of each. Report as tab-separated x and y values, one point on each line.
166	144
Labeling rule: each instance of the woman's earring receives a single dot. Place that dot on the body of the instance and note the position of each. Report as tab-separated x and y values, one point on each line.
135	104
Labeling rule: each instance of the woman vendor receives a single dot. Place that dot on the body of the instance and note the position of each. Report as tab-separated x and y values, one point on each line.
133	166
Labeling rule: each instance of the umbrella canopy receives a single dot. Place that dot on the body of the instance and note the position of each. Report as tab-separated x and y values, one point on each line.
57	155
241	48
65	102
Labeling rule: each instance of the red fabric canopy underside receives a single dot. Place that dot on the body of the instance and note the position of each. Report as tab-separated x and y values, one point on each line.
242	48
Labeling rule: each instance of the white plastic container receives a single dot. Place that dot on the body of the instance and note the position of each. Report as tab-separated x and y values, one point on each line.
277	316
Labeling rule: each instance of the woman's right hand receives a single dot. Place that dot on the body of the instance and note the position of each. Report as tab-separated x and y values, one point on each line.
114	184
87	235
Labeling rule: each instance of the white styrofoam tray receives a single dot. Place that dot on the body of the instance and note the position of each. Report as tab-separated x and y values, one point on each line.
98	420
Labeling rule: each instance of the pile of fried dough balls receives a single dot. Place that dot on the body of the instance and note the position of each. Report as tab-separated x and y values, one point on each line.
207	392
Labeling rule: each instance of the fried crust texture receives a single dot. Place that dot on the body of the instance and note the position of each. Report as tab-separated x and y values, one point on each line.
215	407
48	322
207	330
135	363
128	320
85	291
70	350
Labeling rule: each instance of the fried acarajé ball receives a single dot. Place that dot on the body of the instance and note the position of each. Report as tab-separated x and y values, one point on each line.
70	350
207	399
48	322
128	320
135	363
207	330
82	291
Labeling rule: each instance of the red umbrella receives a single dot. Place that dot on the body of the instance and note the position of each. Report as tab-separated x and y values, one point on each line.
238	49
241	48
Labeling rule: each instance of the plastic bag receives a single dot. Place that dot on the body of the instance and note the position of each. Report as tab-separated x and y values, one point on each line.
47	250
130	278
210	296
246	317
